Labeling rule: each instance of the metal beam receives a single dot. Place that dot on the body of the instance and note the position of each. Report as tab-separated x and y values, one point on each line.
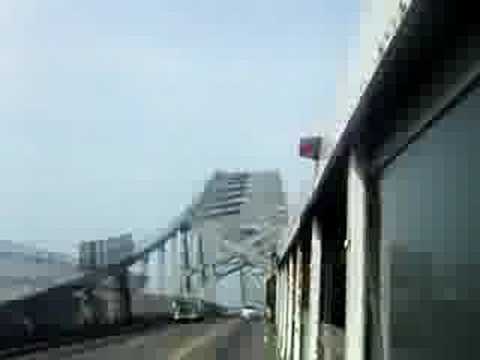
186	259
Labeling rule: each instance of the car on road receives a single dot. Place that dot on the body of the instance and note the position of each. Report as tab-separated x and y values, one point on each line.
188	309
251	313
231	312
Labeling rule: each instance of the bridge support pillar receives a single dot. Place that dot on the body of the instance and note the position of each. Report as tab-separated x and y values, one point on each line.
161	269
184	234
125	297
243	295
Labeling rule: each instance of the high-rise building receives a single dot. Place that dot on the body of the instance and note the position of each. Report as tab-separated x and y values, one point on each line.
238	219
239	205
98	253
118	247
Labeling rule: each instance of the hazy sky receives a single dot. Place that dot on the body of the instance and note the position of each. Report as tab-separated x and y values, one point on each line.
114	113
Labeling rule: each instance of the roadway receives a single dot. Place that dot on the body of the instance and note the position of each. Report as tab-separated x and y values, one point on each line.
212	339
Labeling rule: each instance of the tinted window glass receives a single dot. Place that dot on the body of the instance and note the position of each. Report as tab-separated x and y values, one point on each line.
430	250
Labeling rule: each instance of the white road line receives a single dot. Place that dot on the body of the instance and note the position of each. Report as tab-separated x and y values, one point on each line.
202	341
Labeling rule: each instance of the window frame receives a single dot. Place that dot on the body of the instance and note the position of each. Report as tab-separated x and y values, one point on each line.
377	323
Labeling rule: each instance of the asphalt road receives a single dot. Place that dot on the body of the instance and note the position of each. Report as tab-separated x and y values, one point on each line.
214	339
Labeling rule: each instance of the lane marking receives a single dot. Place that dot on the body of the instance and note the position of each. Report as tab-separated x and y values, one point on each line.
203	340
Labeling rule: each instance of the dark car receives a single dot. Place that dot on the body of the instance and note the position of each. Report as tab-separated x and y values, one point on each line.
188	309
251	313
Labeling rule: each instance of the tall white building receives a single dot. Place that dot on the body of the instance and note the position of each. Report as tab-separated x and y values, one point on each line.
238	220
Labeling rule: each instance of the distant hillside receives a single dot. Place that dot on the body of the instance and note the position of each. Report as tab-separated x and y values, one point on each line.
16	249
26	269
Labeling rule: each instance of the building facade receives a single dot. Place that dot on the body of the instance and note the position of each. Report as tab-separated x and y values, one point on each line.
99	253
239	220
234	227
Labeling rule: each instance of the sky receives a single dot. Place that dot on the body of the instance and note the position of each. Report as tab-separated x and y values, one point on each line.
113	113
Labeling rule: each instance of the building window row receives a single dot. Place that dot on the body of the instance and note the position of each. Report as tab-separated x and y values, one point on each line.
223	212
